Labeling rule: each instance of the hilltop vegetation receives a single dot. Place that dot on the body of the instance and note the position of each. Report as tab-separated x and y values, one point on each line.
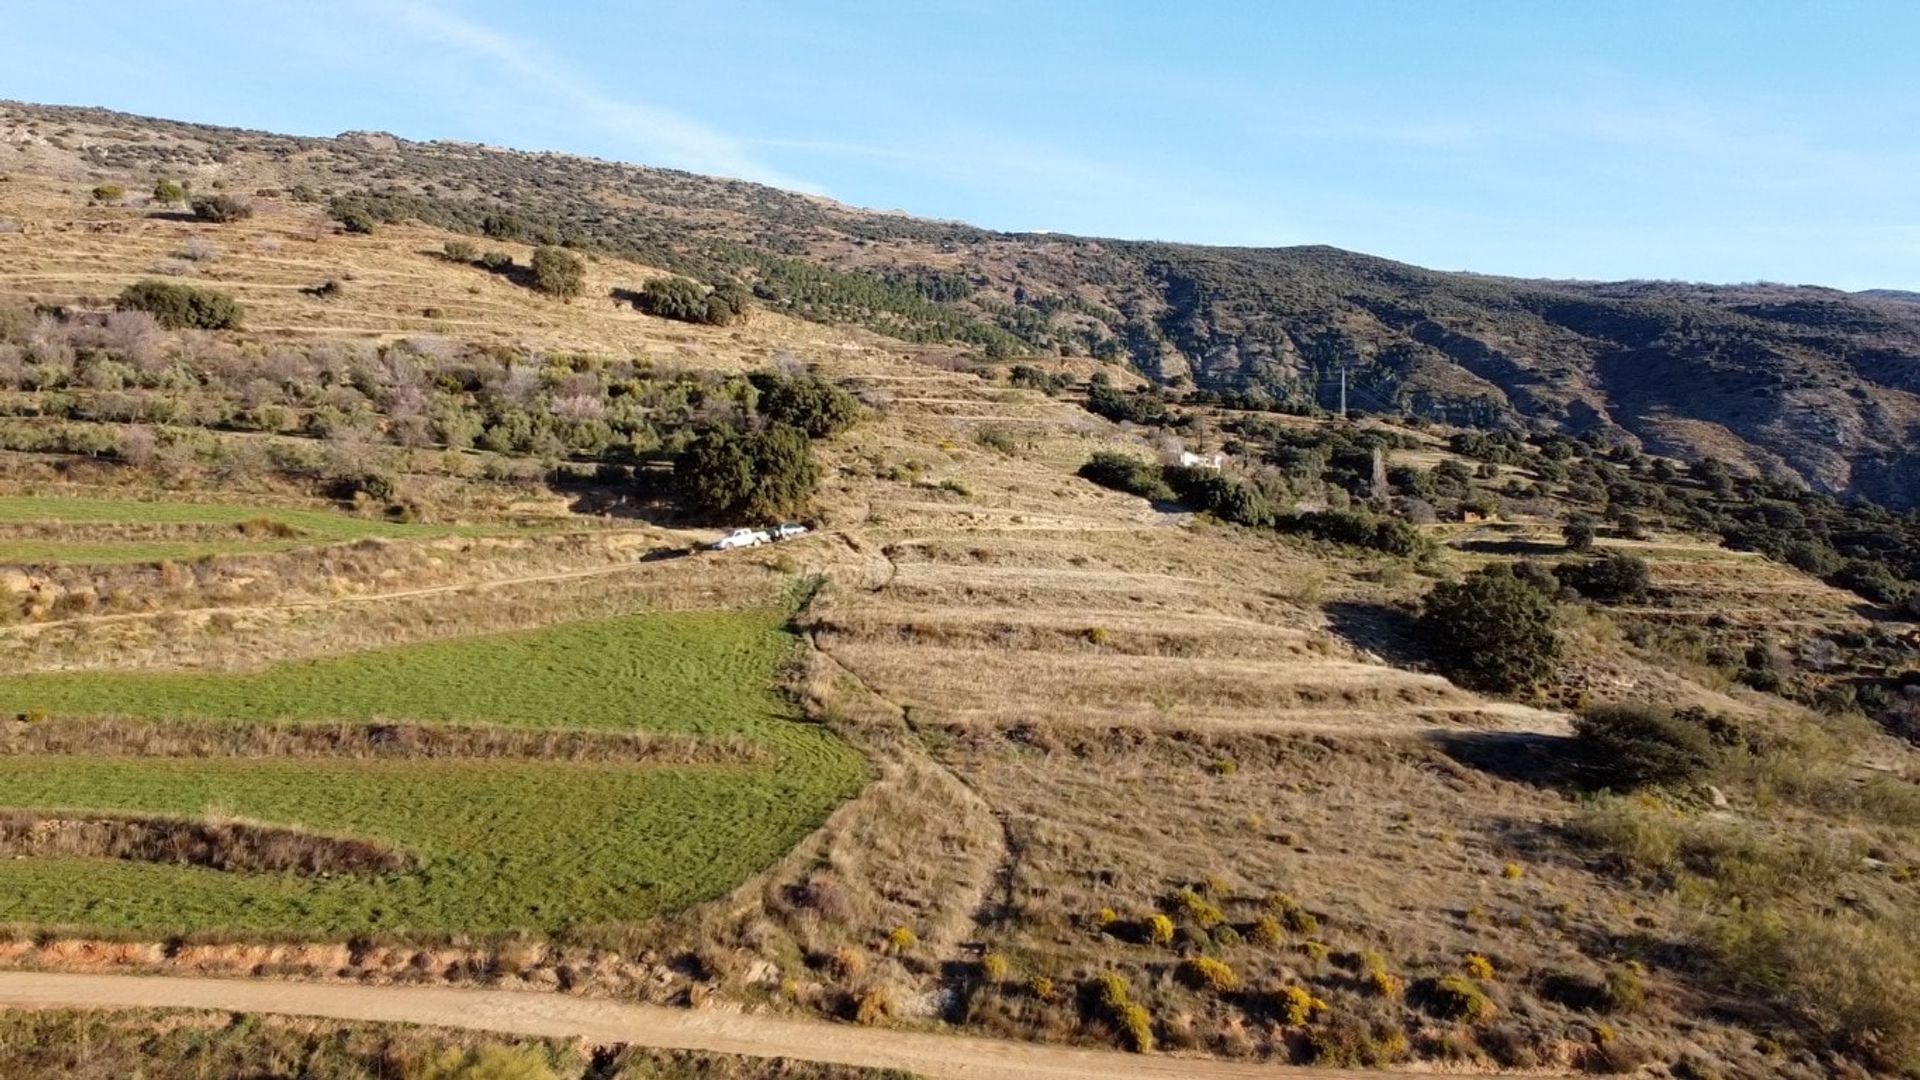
1755	374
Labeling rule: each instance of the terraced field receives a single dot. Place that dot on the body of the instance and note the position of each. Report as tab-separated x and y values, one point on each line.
99	531
499	845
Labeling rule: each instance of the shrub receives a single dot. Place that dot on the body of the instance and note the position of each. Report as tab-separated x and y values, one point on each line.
1159	930
807	402
1207	973
1298	919
1381	981
221	208
558	272
1479	967
761	474
169	192
1872	581
496	261
1624	990
1299	1006
181	307
902	938
1041	987
1491	631
460	251
1267	931
1631	746
1197	909
994	968
872	1006
1124	472
1455	997
1613	579
354	216
1137	1024
109	193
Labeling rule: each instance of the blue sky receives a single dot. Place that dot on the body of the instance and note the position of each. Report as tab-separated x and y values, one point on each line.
1689	139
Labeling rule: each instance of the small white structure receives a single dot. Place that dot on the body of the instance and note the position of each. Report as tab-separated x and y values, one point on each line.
1202	461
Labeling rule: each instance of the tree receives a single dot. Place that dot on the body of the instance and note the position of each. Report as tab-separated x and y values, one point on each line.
558	272
674	298
221	208
761	474
169	192
807	402
1579	534
1491	631
181	307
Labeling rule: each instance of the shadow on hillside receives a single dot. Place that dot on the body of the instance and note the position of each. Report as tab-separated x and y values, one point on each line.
1521	548
1386	632
1524	757
174	215
630	297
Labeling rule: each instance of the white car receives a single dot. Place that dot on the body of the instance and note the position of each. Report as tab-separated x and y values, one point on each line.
788	530
740	538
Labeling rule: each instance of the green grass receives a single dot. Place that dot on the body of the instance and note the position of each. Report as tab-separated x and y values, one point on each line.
316	526
503	845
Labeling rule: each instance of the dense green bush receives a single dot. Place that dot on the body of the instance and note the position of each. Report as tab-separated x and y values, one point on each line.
168	192
460	251
678	298
1044	381
181	307
807	402
725	474
1144	407
1394	536
1213	492
1611	579
1124	472
1579	533
1630	746
221	208
109	193
558	272
1491	631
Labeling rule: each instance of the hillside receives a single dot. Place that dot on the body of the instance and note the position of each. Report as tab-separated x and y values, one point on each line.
1802	383
365	637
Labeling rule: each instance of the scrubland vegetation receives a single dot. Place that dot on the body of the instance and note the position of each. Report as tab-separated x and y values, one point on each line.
1384	743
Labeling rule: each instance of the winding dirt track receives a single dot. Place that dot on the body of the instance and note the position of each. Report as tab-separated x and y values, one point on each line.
602	1022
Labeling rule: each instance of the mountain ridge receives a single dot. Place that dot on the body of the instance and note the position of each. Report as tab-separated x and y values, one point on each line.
1805	383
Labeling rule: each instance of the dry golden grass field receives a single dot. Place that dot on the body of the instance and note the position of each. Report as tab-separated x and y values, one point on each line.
1107	739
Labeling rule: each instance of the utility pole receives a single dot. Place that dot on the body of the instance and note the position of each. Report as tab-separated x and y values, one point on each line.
1343	391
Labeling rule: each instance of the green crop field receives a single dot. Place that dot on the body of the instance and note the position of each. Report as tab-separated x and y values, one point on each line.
501	844
313	527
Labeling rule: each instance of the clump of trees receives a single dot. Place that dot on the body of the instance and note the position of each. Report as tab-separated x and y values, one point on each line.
181	307
1492	630
687	301
1123	472
221	208
558	272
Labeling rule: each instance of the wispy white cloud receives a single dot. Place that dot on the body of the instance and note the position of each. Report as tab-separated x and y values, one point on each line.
654	135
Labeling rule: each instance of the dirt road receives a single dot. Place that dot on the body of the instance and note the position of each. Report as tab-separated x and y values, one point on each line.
523	1013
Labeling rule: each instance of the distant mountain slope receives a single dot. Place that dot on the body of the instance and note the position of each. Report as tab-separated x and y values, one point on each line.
1814	383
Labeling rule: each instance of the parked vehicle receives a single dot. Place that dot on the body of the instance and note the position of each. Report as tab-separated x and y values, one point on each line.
788	530
740	538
